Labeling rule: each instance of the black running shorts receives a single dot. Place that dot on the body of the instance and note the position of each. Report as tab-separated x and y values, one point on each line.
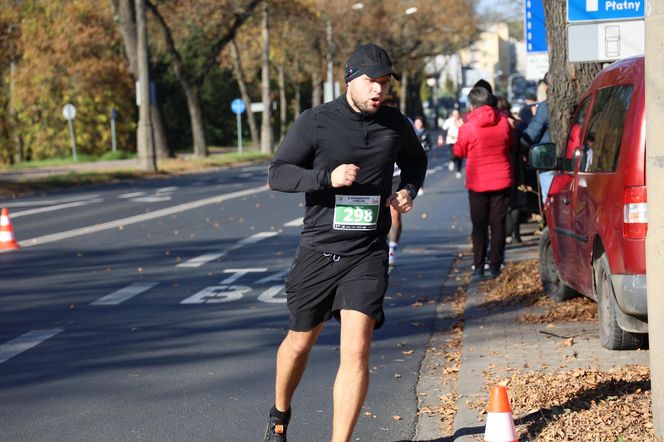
319	285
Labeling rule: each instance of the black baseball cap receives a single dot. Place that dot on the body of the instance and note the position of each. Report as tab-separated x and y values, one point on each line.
369	59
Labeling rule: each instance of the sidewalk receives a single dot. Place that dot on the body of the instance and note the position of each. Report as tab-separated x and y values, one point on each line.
494	344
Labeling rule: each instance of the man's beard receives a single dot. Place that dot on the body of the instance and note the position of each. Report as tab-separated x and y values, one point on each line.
364	106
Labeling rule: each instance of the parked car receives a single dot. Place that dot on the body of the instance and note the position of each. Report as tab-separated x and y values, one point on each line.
596	209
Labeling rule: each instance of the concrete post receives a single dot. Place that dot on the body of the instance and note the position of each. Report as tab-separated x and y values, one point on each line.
145	144
654	73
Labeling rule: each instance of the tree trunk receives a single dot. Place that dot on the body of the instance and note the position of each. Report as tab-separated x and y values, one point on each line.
239	77
266	124
297	99
567	81
192	93
283	105
404	92
316	90
126	18
18	154
162	151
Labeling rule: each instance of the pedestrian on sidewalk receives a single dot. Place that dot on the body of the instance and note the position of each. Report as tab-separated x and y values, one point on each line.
451	127
486	139
342	155
538	132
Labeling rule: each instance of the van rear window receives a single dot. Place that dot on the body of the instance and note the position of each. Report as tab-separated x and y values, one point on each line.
601	145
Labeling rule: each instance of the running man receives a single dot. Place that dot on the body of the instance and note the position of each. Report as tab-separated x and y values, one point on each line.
342	155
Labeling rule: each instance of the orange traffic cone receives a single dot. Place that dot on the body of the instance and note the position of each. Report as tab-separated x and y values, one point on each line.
7	239
499	423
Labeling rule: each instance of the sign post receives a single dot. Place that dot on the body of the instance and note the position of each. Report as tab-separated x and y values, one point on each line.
69	112
114	116
238	107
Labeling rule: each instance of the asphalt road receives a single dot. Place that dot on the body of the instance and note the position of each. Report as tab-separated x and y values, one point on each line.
153	310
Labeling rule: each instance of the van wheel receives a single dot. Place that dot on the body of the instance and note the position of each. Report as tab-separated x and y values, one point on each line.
611	335
553	285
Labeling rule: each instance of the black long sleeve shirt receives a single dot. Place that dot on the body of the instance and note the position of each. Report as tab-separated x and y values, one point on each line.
332	134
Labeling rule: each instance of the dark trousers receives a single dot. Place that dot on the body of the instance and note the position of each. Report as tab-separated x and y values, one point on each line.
458	161
488	211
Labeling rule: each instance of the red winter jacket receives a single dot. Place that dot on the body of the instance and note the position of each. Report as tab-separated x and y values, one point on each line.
486	139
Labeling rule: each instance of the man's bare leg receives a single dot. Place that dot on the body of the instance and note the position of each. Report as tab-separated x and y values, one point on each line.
292	359
352	382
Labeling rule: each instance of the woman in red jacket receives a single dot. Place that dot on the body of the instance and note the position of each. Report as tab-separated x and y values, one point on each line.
486	139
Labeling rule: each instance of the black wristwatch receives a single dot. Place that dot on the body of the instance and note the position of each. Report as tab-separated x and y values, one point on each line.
410	188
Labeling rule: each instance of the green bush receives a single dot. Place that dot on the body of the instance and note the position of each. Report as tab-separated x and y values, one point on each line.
117	155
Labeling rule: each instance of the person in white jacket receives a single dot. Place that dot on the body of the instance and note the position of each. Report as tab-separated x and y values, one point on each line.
451	127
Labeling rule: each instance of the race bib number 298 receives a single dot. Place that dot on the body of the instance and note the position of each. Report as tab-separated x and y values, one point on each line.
353	212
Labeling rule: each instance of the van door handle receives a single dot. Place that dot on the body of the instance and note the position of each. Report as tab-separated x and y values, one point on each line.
565	200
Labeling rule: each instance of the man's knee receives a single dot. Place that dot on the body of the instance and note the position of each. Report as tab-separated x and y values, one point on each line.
301	343
357	330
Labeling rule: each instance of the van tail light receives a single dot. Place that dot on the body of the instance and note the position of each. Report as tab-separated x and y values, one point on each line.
635	218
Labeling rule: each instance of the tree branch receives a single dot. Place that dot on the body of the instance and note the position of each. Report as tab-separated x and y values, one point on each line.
178	63
240	17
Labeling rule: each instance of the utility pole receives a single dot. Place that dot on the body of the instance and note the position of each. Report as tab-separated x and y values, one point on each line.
266	124
654	73
146	156
328	92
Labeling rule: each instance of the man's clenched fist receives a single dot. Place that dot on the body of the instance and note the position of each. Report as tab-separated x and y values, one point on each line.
401	201
344	175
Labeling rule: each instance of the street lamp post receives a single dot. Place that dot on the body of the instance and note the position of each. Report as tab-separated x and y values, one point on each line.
510	85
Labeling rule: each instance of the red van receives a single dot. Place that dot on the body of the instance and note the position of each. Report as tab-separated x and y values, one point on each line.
596	208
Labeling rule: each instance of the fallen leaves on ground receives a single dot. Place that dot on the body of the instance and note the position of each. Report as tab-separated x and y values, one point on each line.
581	404
520	284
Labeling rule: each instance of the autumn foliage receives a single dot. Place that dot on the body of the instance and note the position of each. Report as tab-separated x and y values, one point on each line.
73	51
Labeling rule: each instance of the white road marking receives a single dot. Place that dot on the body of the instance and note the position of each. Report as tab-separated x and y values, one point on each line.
239	273
279	277
57	207
270	295
167	189
25	342
218	294
140	218
204	259
297	222
254	169
49	202
131	195
151	199
255	238
120	296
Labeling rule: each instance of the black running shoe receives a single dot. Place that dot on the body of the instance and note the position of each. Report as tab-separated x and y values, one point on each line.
276	430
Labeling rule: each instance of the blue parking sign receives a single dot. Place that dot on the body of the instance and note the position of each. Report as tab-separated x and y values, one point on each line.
237	106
